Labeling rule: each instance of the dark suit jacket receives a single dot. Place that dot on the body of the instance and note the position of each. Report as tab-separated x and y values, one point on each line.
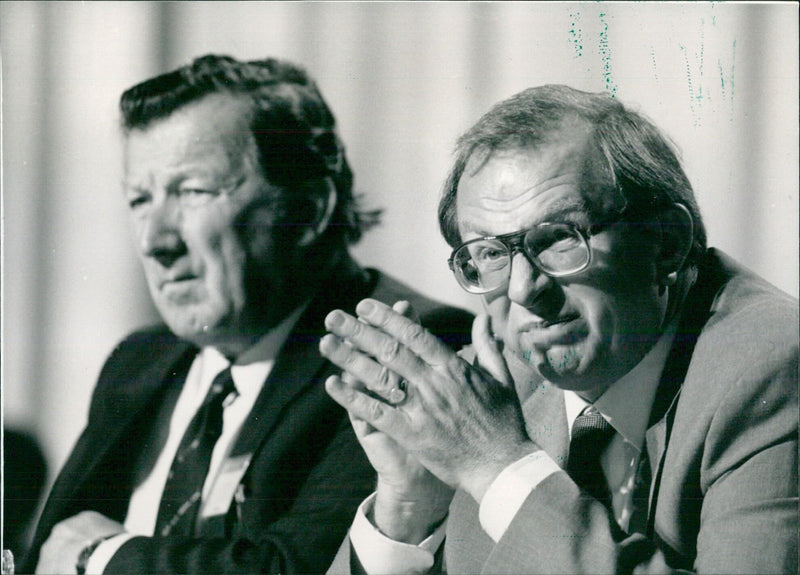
308	473
722	447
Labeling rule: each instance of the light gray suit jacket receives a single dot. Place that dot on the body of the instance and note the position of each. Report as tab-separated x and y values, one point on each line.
722	447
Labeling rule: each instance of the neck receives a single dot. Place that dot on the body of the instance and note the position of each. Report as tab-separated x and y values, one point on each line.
306	281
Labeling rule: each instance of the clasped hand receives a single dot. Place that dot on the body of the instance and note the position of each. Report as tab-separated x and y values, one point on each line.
462	422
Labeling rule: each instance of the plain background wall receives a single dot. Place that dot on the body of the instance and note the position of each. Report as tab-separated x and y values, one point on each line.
404	79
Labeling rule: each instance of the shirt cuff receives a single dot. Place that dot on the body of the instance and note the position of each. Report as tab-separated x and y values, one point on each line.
508	491
379	554
105	551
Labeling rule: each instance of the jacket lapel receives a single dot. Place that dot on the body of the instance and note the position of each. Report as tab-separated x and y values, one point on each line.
294	370
546	421
695	313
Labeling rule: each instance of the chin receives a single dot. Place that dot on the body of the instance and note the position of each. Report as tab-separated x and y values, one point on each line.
570	367
196	325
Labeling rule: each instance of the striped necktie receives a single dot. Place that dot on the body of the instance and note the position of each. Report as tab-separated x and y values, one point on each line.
183	491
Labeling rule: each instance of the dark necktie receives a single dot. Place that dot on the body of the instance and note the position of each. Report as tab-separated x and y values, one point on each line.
184	488
590	436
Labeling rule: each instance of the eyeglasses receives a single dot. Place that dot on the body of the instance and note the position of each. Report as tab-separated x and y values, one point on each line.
483	265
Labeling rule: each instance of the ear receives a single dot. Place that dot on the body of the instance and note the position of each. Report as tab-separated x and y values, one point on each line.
323	202
677	233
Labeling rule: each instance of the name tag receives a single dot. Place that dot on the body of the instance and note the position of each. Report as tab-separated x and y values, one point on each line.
230	475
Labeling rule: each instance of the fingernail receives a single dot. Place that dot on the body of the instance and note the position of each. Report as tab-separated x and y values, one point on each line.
327	344
334	319
365	308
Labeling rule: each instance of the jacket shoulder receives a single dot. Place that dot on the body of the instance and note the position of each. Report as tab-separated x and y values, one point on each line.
743	371
141	346
137	352
752	326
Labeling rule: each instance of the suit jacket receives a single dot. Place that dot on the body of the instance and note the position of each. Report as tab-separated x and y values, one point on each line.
307	474
721	456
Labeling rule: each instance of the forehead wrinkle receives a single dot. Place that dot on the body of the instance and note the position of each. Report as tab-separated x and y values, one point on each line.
510	201
555	211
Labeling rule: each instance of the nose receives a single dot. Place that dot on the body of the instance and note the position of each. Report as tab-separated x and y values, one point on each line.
160	236
527	282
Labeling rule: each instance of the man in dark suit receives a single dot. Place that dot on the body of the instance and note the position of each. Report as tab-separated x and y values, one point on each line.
211	444
632	402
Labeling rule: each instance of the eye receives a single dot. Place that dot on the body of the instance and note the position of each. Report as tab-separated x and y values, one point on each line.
194	197
487	254
554	237
137	200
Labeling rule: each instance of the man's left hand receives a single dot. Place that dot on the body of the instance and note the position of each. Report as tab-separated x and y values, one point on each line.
60	552
462	422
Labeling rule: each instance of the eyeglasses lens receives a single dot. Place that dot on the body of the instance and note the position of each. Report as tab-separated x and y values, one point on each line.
557	249
482	266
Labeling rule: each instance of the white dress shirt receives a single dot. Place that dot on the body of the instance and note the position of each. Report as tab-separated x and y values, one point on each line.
249	373
626	405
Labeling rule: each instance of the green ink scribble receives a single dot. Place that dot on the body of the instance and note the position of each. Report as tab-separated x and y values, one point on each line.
566	360
605	56
730	79
699	95
653	60
692	98
526	355
576	33
702	45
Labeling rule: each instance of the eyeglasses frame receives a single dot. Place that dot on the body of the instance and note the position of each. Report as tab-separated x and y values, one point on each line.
514	243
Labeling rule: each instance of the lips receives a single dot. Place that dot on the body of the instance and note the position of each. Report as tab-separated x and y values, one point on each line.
177	279
562	331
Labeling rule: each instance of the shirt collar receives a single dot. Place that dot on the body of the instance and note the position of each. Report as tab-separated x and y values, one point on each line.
627	403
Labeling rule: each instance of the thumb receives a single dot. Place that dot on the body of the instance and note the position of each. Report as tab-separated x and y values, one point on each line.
405	309
490	354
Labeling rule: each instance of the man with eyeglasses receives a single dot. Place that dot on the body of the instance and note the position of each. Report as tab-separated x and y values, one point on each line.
630	404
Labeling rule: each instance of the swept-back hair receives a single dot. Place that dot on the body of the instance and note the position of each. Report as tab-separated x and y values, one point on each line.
294	129
644	165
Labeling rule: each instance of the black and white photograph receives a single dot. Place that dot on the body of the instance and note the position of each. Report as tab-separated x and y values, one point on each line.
366	287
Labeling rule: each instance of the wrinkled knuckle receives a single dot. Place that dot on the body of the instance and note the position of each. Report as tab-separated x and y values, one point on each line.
414	333
348	358
375	411
379	318
356	329
384	377
350	380
390	349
